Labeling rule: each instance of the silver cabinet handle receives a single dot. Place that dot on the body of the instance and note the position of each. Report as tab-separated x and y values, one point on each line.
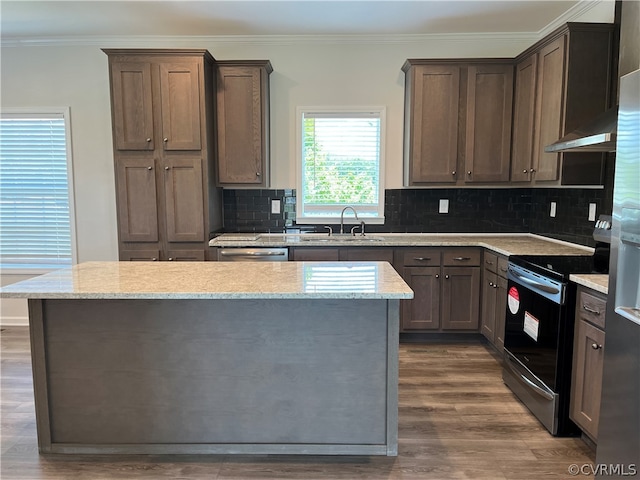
166	168
154	259
165	139
170	259
590	310
595	346
148	140
446	276
453	173
496	286
525	171
257	174
491	284
469	172
437	276
149	168
421	259
461	259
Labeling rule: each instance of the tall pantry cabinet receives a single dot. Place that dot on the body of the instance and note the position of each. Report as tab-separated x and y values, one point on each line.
162	108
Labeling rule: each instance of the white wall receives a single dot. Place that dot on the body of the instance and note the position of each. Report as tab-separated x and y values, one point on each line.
307	71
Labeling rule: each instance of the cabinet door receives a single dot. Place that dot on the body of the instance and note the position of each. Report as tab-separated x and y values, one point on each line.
523	119
363	254
132	105
587	377
423	311
315	254
136	199
501	308
240	126
184	255
434	124
488	129
180	94
489	302
460	298
549	108
184	200
139	255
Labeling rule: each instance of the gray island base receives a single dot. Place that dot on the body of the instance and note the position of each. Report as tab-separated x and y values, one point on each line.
310	368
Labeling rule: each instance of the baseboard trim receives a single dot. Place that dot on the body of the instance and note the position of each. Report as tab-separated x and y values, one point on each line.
20	321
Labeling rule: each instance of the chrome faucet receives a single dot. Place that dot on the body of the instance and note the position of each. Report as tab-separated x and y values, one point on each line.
342	216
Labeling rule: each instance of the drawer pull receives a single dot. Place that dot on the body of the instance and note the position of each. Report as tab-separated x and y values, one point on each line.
488	262
421	259
461	259
590	310
595	346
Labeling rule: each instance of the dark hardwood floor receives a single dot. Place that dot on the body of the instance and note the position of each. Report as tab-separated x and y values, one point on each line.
457	421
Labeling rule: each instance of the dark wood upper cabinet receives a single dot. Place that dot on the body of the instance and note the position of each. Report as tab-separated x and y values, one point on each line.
571	69
469	121
431	122
180	96
162	113
243	123
132	105
457	121
488	126
524	110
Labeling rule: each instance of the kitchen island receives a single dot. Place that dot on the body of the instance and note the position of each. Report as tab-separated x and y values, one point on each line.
183	358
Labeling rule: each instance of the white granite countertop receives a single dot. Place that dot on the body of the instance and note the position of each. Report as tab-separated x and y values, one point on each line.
597	282
215	280
505	244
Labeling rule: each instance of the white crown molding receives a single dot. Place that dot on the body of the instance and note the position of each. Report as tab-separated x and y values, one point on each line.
574	13
173	40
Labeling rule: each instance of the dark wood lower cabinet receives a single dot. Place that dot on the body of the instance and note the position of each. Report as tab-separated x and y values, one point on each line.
423	312
494	298
588	358
445	281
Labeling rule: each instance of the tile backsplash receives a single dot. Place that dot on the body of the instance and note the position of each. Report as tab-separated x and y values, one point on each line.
478	210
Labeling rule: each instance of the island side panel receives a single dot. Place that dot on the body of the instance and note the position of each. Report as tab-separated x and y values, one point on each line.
224	372
393	345
39	372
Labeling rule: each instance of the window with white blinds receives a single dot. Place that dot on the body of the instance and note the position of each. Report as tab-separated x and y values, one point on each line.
35	191
341	163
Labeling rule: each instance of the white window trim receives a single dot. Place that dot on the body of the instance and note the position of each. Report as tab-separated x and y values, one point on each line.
379	218
66	113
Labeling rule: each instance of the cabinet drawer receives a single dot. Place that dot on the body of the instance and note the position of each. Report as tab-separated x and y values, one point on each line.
461	257
421	257
591	308
490	261
503	264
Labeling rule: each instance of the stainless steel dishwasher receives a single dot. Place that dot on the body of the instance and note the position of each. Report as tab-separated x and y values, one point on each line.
259	254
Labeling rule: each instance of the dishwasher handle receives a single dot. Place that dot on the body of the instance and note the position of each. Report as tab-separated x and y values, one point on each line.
258	253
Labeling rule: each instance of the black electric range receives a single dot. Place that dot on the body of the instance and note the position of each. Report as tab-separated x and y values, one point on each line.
557	267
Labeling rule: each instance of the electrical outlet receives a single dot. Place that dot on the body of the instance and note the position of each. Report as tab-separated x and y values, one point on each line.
444	206
592	212
552	210
275	206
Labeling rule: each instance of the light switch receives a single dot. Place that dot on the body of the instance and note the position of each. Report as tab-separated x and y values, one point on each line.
552	210
444	206
592	212
275	206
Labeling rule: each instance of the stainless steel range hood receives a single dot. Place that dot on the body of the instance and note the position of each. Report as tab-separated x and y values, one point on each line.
599	135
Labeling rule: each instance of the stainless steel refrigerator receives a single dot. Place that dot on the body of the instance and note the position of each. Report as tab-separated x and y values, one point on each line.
618	449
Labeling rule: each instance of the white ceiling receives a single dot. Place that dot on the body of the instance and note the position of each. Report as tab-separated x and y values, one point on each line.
26	19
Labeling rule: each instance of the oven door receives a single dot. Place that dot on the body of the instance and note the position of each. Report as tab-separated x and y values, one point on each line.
533	316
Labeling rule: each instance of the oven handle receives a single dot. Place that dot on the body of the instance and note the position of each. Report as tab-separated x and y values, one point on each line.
535	387
539	286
